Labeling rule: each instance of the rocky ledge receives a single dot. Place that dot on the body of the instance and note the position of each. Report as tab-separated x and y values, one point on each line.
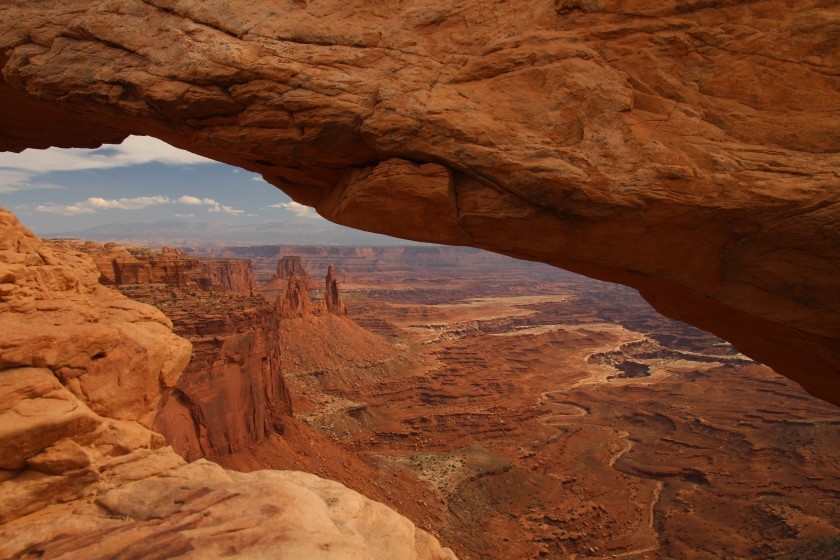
232	393
82	369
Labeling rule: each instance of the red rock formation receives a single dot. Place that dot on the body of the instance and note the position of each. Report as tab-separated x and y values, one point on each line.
122	266
332	294
687	149
81	475
295	302
292	302
288	266
232	393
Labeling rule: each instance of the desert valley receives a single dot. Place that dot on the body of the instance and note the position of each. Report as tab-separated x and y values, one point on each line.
512	409
258	383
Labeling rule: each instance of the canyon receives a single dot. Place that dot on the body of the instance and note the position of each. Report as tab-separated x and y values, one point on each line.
686	149
83	475
231	394
554	416
520	411
512	409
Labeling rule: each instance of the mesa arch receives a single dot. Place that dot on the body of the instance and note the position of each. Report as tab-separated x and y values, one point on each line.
688	149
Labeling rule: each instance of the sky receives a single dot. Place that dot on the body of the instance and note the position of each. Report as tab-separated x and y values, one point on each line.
145	188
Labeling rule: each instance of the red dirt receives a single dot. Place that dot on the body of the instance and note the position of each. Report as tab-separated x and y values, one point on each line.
555	416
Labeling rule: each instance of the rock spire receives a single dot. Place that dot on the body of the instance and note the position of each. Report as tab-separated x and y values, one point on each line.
332	294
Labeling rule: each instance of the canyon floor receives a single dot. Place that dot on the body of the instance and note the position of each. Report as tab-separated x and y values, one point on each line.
519	411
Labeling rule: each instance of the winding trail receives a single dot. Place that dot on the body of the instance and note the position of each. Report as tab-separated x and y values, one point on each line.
657	491
626	445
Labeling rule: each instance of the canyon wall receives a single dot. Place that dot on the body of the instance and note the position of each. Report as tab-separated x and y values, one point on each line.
232	393
295	300
82	369
123	266
286	267
687	149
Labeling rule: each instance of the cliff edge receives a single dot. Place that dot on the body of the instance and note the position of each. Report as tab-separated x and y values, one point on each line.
81	473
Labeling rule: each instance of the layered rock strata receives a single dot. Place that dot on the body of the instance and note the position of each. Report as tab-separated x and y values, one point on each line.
687	149
232	394
287	266
125	266
81	371
295	301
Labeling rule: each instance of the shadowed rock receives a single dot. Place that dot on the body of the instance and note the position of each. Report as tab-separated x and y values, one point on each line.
295	302
685	150
332	294
82	369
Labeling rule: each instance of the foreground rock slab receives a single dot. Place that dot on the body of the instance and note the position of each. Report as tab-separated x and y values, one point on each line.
688	151
200	510
83	476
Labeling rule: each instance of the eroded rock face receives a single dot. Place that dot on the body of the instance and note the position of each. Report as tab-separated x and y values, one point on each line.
232	393
686	150
332	294
54	315
295	300
82	476
134	266
287	266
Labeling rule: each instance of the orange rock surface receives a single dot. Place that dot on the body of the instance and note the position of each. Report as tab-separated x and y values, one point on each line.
231	403
551	416
687	149
126	266
231	394
82	369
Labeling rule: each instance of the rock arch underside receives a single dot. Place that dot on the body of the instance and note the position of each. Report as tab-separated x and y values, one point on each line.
687	148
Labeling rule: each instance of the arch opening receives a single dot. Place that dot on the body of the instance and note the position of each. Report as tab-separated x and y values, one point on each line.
440	205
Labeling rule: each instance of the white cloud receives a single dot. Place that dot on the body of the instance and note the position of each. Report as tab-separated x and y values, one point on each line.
95	203
14	180
226	209
19	172
65	209
215	205
195	201
299	210
135	150
137	203
184	215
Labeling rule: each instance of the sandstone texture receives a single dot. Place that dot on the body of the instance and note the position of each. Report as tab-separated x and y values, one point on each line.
295	301
332	294
554	416
82	370
232	393
286	267
126	266
687	149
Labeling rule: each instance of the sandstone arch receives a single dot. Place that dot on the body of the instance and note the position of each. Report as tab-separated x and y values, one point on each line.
688	149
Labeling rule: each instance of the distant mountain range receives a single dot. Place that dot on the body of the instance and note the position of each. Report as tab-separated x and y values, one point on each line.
188	233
